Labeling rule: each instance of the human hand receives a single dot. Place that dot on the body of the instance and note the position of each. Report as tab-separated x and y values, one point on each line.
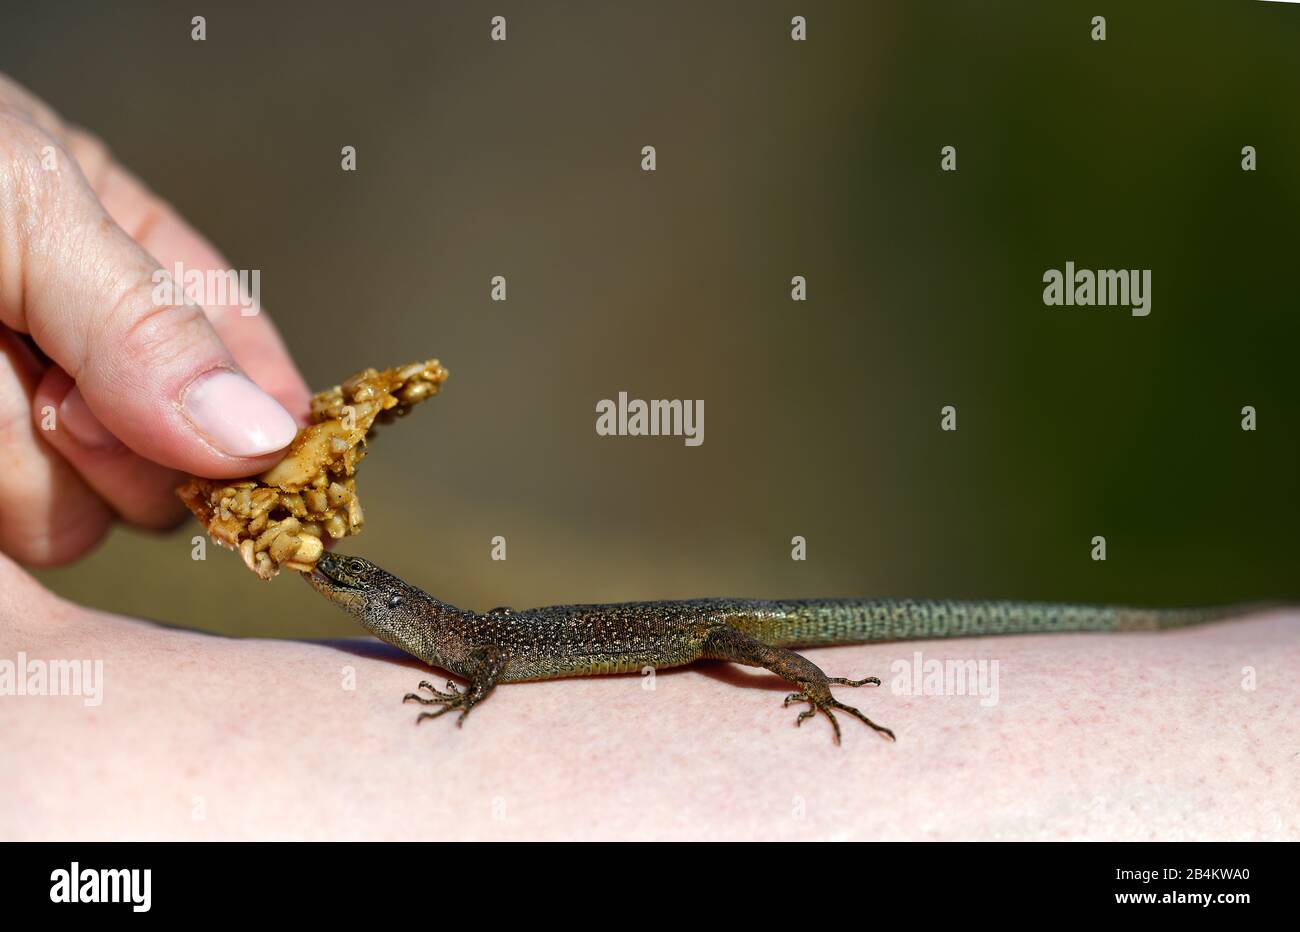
107	392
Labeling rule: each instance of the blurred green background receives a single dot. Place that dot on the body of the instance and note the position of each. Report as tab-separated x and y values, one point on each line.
775	158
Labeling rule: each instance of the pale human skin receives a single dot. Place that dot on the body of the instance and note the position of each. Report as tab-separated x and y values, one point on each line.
1094	736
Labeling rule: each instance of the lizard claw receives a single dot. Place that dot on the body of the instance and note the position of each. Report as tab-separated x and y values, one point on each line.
819	699
865	681
454	698
483	674
453	691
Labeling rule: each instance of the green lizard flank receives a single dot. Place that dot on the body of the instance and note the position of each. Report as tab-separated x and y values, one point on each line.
506	646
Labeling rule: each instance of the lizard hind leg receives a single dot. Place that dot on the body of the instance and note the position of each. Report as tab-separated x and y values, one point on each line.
727	643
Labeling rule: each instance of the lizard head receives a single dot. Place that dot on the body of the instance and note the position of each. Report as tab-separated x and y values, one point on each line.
349	582
388	608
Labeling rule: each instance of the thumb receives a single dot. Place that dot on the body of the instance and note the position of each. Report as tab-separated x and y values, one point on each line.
148	364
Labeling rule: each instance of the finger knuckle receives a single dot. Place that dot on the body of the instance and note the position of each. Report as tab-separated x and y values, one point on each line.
156	333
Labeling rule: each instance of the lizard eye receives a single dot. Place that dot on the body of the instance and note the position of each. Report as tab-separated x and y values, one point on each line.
394	601
356	566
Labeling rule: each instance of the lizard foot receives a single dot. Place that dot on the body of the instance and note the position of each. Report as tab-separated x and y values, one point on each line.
819	699
454	698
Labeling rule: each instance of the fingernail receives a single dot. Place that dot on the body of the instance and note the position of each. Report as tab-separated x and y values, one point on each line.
238	417
81	423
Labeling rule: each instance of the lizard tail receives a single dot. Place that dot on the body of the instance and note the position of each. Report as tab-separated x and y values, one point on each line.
816	622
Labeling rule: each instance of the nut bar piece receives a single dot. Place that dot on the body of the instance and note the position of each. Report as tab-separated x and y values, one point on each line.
277	519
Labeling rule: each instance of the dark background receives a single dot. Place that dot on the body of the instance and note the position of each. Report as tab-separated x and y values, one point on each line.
776	158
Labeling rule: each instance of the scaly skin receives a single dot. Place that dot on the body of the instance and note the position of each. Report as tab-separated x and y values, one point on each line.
506	646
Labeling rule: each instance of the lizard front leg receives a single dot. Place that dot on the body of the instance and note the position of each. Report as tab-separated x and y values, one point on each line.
726	643
484	672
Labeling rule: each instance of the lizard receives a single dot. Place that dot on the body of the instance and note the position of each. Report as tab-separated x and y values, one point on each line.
508	646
